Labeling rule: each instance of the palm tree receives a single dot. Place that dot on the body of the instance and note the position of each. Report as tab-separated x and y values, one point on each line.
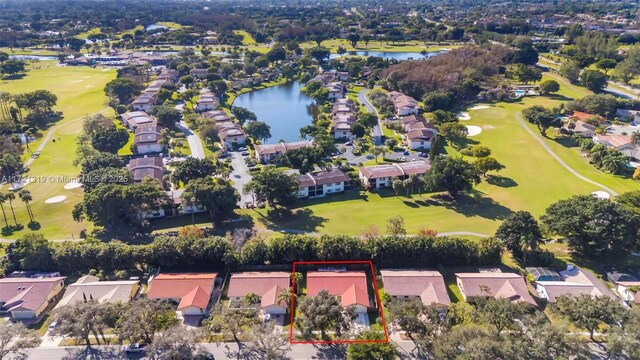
11	196
377	150
528	243
614	162
296	278
635	138
3	197
26	197
284	296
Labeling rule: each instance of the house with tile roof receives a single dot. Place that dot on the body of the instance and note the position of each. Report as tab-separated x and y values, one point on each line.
90	287
572	281
404	105
28	298
322	183
498	285
269	153
350	286
144	167
382	176
426	285
147	139
191	291
133	119
266	284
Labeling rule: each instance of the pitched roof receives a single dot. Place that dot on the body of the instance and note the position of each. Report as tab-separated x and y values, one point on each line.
500	285
198	297
576	281
182	285
90	287
583	116
381	171
350	286
322	178
428	285
266	284
26	293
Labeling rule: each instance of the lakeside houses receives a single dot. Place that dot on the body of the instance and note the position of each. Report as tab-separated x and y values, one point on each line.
148	139
90	287
323	183
267	285
494	284
207	101
342	117
350	286
382	176
336	90
191	291
26	298
231	134
149	97
133	119
404	104
426	285
217	115
147	167
269	153
572	281
626	285
419	132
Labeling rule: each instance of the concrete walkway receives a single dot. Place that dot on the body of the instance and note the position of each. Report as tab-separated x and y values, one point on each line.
559	160
240	176
376	132
195	144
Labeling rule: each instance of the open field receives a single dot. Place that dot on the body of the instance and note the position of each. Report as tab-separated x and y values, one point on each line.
80	93
532	180
247	39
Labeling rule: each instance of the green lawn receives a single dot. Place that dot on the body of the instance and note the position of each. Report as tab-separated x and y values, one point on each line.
80	93
247	39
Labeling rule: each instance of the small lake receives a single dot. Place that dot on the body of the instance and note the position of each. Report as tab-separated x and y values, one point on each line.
284	107
33	57
400	56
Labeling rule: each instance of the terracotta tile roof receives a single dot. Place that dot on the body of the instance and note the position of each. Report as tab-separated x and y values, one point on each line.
350	286
579	115
428	285
178	286
381	171
500	285
265	284
198	297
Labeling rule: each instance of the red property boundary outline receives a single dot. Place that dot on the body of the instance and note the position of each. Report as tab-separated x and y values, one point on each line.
326	342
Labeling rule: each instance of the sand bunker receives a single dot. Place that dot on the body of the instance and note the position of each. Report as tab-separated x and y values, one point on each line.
55	199
601	195
473	130
72	185
479	107
463	115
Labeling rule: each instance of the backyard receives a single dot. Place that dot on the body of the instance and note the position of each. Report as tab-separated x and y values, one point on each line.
80	93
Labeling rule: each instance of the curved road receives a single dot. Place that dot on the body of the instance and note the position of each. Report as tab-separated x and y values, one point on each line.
195	144
559	160
376	132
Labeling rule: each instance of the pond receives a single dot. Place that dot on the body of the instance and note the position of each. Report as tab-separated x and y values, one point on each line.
400	56
33	57
284	108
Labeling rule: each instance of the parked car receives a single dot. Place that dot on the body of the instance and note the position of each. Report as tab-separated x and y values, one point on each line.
244	153
53	325
242	149
406	152
135	348
348	143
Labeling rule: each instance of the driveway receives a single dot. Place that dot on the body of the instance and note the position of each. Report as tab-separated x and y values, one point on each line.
240	176
376	132
195	144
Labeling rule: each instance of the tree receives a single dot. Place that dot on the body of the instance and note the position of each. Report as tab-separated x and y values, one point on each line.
193	168
453	131
110	139
438	100
122	90
167	116
397	186
520	233
12	67
269	343
588	312
353	39
31	252
478	151
82	319
231	322
217	196
143	318
625	339
258	130
606	65
15	339
422	324
25	196
3	198
526	74
366	351
487	164
541	117
395	226
502	314
549	87
323	312
11	196
274	186
593	227
243	115
319	53
440	117
452	174
176	343
593	80
570	70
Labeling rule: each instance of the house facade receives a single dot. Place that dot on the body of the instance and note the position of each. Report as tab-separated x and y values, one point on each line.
29	298
266	285
382	176
191	291
499	285
147	139
322	183
269	153
426	285
350	286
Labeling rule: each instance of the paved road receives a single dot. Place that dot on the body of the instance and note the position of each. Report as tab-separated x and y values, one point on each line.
376	132
195	144
240	177
559	160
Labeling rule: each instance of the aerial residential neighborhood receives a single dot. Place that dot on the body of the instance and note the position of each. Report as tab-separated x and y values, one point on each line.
320	180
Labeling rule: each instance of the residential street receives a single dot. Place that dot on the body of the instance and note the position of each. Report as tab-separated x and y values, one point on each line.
195	144
240	176
376	132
